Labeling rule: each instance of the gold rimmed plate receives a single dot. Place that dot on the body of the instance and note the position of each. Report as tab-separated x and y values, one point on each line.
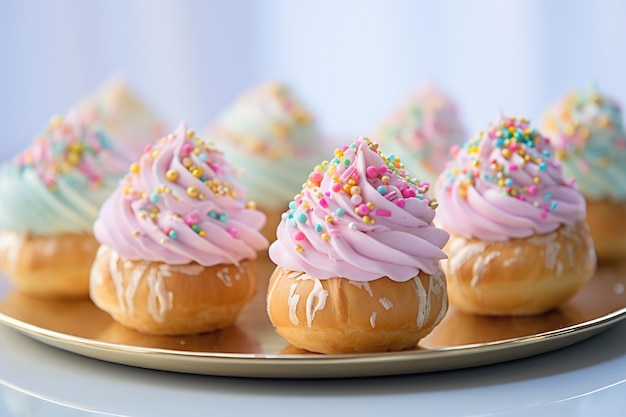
251	348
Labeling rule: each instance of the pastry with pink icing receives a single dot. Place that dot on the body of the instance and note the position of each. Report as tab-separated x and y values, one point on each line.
422	131
178	241
519	242
117	109
358	257
51	194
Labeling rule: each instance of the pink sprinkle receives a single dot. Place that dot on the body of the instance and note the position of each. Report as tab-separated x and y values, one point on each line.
95	177
513	146
544	215
327	193
334	232
532	190
316	177
186	150
391	195
521	197
513	167
336	187
191	219
233	232
363	209
323	203
299	235
371	171
383	213
401	203
148	148
454	149
408	193
383	169
299	201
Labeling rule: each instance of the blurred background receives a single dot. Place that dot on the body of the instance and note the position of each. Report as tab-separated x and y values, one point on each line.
351	61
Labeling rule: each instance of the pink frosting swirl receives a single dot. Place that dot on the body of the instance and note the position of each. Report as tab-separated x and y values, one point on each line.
181	203
505	183
360	217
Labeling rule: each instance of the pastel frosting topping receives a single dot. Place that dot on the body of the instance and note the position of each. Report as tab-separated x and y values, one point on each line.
58	184
422	131
587	131
505	183
273	138
360	216
122	114
181	203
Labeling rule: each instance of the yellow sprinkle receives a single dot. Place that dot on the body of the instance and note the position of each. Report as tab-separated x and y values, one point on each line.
329	218
356	190
370	205
506	153
197	172
366	219
251	205
196	151
134	168
299	248
155	153
202	233
385	179
190	133
325	236
536	180
192	192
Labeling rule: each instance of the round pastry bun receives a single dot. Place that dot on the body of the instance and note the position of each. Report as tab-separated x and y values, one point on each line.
160	299
338	315
520	276
607	223
53	267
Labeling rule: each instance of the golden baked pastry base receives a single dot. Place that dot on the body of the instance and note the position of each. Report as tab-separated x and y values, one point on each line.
251	348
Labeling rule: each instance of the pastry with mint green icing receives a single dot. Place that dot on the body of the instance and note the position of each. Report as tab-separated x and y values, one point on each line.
52	193
422	131
273	140
587	130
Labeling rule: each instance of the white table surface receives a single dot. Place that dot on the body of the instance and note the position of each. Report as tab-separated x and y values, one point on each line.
586	379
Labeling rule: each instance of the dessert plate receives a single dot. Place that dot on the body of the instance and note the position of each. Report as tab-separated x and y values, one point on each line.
251	348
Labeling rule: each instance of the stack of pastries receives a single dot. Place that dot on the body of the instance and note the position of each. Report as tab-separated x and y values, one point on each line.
358	257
